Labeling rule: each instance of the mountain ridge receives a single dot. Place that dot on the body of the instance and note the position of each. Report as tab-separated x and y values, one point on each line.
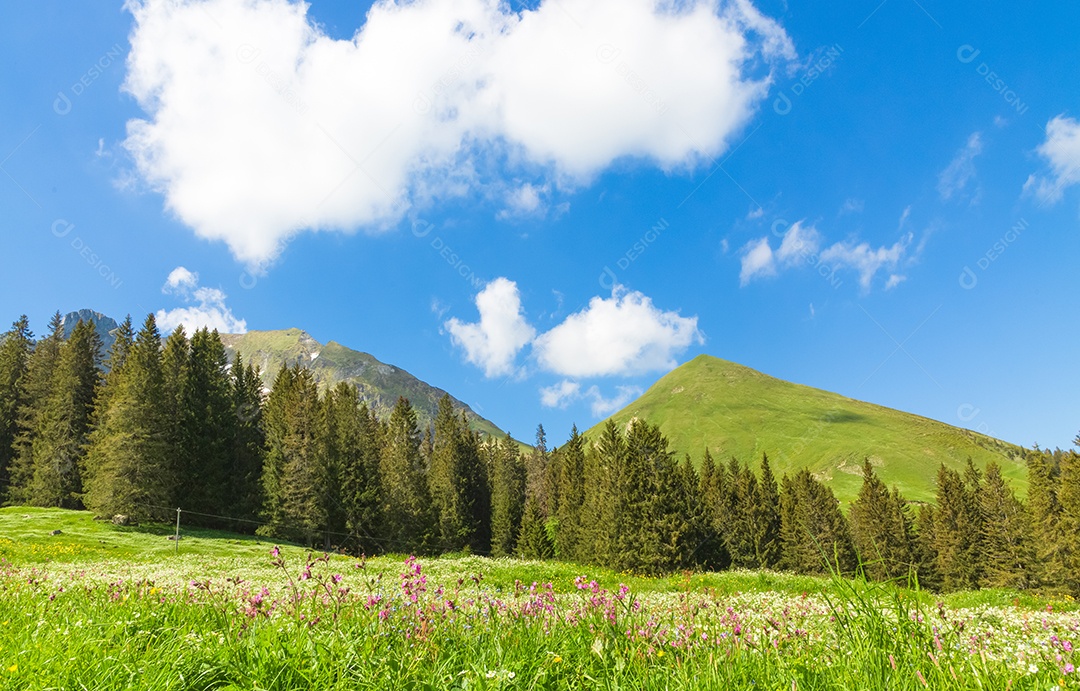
734	410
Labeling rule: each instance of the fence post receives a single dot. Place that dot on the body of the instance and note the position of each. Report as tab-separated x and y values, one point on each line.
176	538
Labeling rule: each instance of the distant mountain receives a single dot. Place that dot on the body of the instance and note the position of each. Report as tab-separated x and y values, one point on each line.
105	326
735	411
380	384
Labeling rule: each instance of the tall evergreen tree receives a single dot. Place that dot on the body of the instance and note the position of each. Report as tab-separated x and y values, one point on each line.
958	528
570	534
459	487
743	533
605	515
767	546
206	423
882	530
407	510
533	541
357	447
1007	554
292	477
507	497
248	444
1044	510
713	489
816	536
64	422
129	470
1069	499
15	348
37	385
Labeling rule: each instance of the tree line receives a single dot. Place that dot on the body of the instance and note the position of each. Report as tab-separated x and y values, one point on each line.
158	423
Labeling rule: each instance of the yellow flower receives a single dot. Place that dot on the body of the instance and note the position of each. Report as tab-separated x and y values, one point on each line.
14	668
660	654
556	659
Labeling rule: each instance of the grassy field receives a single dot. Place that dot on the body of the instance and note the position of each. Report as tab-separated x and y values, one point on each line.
736	411
101	607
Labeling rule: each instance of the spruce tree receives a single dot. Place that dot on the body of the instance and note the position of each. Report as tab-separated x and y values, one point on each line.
816	537
767	518
1044	509
458	485
357	445
130	472
15	348
1007	553
533	541
713	491
292	478
604	509
742	509
881	529
36	388
1069	499
248	444
64	422
407	509
958	528
926	557
206	429
507	496
570	534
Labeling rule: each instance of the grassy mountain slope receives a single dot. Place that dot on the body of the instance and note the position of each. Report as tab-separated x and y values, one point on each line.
380	384
736	411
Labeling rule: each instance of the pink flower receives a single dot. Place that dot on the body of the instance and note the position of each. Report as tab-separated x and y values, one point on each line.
275	552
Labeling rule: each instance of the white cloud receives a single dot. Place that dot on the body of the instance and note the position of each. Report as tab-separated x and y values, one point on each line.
866	260
525	200
757	261
494	342
961	170
204	306
621	335
1062	152
802	244
260	126
566	392
560	395
894	280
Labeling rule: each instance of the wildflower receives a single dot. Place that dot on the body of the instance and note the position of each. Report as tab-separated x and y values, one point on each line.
556	659
275	552
14	668
1069	668
660	653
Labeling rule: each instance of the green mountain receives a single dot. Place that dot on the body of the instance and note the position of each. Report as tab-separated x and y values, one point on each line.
735	411
380	384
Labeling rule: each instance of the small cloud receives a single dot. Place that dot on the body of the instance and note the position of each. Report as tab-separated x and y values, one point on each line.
525	200
205	307
867	261
894	280
757	261
1061	150
852	206
494	342
755	213
956	176
724	246
564	393
813	313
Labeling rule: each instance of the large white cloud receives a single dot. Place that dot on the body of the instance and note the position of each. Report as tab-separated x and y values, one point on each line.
1062	153
259	125
494	342
204	306
622	335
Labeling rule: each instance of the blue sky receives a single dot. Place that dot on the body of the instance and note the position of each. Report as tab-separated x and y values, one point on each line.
543	209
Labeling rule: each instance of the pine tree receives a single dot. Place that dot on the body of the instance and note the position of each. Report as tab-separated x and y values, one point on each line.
882	531
409	516
507	496
206	428
64	422
767	547
130	472
1006	553
1069	499
292	477
354	448
537	476
1044	509
958	528
816	537
533	541
742	509
248	444
570	534
604	509
926	558
458	485
15	348
36	388
713	490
